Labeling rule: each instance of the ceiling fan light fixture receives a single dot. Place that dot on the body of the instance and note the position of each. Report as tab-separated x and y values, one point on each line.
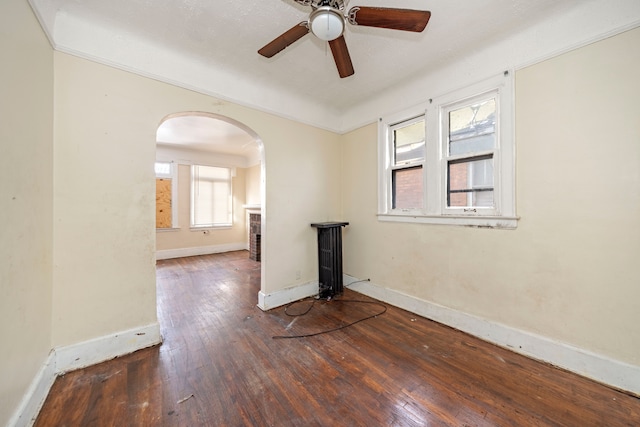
326	23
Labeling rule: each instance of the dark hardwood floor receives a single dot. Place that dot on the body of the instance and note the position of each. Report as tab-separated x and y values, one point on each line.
219	365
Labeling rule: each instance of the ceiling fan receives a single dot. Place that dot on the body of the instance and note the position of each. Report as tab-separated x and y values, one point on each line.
327	21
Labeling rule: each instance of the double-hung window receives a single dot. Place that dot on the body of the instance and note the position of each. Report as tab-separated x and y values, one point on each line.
407	169
211	196
451	160
469	138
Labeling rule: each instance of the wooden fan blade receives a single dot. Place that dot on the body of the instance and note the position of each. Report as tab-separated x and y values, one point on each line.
286	39
341	56
395	19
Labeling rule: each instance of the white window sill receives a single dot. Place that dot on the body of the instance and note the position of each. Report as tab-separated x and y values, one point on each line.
211	227
165	230
467	221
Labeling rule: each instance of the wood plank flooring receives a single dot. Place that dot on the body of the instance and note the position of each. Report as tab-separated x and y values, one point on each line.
219	365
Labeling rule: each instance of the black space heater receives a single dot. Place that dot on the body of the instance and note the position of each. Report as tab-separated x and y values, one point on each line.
329	258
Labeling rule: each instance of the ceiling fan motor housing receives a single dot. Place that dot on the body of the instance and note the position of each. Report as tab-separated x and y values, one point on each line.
327	23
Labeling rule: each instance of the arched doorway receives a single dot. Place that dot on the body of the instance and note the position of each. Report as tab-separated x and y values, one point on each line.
210	184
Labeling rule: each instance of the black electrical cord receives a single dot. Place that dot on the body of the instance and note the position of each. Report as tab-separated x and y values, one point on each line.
297	302
384	310
314	299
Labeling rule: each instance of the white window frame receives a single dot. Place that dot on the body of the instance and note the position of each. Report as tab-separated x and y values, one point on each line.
435	211
494	153
173	175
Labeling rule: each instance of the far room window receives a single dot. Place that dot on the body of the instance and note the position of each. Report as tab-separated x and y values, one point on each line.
211	196
166	185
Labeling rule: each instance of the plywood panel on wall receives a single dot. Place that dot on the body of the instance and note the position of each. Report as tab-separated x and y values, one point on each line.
163	203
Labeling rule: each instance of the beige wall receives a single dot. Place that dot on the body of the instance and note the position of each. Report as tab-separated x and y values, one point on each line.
104	194
253	181
26	85
106	119
187	238
568	271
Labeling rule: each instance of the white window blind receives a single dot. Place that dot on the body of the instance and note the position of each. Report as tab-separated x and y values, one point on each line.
211	197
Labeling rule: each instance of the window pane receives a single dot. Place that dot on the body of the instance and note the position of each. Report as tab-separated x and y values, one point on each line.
408	142
163	169
472	128
407	188
470	182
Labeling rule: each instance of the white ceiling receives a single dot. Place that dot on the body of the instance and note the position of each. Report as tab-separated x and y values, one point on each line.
211	46
200	132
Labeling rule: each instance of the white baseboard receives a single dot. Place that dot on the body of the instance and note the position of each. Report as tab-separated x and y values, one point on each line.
76	356
600	368
285	296
200	250
26	413
87	353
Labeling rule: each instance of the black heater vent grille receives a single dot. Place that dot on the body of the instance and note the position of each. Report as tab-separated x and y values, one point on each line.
330	258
